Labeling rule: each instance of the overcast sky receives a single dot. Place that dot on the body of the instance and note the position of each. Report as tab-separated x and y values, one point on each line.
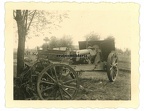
105	20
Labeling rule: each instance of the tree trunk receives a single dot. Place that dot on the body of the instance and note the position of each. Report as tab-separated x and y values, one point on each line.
20	52
21	47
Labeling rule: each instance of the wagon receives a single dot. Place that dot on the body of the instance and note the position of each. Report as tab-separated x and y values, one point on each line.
55	74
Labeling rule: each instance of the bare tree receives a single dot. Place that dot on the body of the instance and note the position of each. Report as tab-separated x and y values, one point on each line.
23	19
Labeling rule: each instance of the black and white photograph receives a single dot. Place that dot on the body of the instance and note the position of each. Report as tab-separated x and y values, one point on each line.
72	52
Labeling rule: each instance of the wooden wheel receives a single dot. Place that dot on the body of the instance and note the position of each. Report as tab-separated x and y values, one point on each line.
57	82
112	66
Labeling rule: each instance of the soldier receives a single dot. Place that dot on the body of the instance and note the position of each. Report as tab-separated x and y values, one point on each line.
98	55
95	54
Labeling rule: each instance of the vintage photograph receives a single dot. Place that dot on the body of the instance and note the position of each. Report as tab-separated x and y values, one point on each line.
80	52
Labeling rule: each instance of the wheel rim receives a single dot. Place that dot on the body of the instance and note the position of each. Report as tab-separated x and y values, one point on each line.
112	67
57	82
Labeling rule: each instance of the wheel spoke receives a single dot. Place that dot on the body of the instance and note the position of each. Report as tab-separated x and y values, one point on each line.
55	73
51	73
113	72
67	93
61	94
114	75
47	89
111	68
70	87
49	76
47	82
69	81
60	75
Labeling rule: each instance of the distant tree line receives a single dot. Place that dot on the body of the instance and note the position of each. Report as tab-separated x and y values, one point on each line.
124	52
54	42
93	37
66	41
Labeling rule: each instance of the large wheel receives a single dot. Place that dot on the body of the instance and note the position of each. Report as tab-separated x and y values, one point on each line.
112	66
57	82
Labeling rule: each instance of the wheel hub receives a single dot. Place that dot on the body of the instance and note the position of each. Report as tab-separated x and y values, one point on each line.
59	84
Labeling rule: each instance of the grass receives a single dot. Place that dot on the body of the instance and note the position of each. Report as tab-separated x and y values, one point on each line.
124	58
124	62
96	86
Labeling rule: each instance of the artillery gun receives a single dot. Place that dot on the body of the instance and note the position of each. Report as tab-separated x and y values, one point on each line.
53	78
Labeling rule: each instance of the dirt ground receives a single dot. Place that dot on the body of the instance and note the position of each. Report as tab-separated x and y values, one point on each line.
96	86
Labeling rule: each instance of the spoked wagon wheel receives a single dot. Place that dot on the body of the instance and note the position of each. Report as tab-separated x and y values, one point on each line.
57	82
112	66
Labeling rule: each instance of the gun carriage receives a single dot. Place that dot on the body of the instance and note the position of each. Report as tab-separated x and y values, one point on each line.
55	74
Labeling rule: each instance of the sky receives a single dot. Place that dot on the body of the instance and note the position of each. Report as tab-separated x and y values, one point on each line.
104	20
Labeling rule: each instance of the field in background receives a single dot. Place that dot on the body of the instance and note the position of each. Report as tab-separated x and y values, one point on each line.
124	62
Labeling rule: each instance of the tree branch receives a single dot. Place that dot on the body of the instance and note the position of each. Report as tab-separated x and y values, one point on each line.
24	14
31	20
26	18
31	12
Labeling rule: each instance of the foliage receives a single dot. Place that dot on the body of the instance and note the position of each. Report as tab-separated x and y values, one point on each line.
25	17
53	42
37	22
46	21
65	41
127	51
110	38
46	39
124	52
92	37
120	51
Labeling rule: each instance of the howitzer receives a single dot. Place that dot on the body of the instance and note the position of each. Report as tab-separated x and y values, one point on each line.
51	78
91	55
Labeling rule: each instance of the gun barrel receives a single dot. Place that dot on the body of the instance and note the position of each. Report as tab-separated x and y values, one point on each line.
82	52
